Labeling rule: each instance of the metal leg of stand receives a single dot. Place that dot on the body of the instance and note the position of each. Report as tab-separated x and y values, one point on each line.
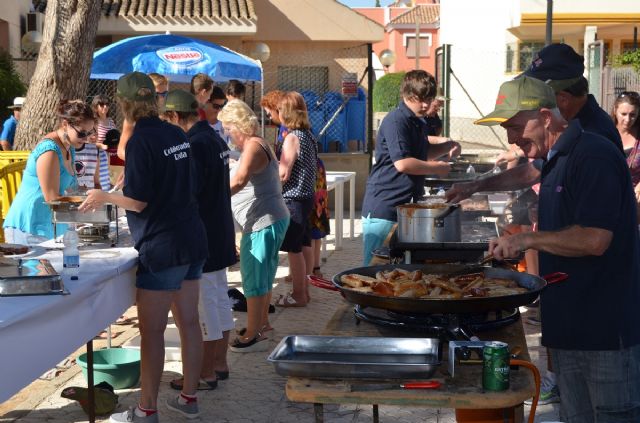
376	416
318	412
92	395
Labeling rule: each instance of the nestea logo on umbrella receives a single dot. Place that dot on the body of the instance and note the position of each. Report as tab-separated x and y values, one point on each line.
184	56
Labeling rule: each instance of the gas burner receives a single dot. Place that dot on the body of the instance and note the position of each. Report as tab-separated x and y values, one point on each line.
445	326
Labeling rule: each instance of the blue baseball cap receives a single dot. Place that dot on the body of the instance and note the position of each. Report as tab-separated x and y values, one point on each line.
558	65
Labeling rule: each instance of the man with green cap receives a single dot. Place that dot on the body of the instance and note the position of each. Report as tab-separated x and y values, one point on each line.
587	229
162	213
560	67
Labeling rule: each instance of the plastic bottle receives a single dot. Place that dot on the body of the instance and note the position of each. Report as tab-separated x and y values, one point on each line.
71	254
471	170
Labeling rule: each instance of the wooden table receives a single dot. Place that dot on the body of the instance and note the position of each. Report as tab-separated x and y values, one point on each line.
462	392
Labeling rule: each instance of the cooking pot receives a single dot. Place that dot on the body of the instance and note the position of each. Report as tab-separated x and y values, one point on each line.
425	223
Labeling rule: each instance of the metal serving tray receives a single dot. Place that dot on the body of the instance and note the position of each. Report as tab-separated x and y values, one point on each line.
28	268
355	357
51	285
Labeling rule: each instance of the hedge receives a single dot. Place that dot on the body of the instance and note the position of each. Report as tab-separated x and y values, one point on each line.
386	92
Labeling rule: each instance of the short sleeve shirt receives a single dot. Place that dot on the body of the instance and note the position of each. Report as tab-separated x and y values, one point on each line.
401	135
159	171
9	130
587	183
211	158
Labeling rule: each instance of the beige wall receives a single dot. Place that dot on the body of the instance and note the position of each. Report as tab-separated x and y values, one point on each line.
10	12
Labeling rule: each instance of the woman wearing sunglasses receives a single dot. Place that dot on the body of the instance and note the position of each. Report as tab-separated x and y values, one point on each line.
625	113
49	172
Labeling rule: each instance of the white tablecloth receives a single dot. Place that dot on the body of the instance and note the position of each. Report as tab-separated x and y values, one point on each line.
37	332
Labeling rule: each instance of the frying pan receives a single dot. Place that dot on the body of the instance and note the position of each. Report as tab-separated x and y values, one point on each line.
533	284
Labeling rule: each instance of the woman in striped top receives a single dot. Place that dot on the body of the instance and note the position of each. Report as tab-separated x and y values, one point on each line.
100	106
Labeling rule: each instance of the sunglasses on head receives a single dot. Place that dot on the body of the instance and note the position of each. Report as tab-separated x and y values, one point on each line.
83	134
631	94
162	94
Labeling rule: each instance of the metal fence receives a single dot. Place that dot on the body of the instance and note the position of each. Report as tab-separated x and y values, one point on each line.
617	80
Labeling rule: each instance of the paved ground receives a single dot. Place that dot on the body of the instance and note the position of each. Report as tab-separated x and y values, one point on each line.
253	393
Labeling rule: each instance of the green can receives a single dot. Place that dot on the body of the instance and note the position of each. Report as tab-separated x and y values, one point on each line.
495	366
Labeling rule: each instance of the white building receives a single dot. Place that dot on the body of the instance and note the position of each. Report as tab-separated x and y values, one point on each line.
494	40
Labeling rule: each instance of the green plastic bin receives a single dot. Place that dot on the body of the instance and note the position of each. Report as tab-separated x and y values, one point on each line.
120	367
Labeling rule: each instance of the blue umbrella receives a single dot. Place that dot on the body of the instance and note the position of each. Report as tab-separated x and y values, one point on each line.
177	57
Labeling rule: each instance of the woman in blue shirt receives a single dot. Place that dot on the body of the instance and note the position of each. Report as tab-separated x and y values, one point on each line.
48	173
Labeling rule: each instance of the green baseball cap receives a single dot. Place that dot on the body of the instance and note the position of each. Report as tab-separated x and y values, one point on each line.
518	95
129	87
180	101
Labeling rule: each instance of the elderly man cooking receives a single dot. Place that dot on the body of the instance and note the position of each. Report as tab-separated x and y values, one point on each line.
587	226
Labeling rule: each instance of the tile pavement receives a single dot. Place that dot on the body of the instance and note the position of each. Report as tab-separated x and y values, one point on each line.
254	393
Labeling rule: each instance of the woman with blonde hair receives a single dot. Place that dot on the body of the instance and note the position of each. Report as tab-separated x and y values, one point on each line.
259	209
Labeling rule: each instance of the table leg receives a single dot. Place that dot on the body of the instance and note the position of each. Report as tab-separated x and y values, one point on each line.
376	416
318	412
339	214
92	398
352	205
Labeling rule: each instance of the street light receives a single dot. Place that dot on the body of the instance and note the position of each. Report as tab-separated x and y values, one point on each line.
387	58
260	52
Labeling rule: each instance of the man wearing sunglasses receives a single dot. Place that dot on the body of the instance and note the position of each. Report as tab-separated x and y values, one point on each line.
212	108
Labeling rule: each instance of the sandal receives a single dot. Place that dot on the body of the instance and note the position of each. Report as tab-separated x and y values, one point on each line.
254	345
288	301
222	375
317	272
203	385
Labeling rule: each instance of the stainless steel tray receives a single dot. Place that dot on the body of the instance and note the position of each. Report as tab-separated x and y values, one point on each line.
355	357
28	268
51	285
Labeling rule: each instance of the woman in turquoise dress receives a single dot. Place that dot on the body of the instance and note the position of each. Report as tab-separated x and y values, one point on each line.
48	173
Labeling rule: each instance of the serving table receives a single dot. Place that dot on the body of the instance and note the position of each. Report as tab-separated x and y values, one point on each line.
38	332
462	392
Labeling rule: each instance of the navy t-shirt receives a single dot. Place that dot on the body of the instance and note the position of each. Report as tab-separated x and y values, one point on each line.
594	119
587	183
160	172
211	157
401	135
435	124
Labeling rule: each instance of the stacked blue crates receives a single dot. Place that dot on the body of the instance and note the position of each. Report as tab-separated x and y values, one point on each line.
337	131
356	117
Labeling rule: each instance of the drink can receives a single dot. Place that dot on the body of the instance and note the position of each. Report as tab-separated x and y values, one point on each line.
495	366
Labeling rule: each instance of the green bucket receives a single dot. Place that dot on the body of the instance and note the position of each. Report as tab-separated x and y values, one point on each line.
119	367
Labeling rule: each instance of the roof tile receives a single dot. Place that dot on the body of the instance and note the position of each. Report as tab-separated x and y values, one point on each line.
424	14
224	9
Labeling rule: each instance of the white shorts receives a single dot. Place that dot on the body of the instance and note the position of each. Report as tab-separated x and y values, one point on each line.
214	306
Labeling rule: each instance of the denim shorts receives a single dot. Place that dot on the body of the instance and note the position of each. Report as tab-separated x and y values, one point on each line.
169	279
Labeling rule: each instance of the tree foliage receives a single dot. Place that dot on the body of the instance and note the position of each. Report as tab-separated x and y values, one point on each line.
629	58
386	92
11	85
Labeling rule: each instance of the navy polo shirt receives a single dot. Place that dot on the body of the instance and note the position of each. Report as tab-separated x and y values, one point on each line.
211	158
594	119
159	171
586	182
401	135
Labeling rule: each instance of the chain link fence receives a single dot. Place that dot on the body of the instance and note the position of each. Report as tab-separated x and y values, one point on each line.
338	123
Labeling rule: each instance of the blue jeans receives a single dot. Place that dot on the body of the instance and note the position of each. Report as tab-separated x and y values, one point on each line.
598	386
374	232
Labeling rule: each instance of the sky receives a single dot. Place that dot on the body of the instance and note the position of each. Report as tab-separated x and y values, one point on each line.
365	3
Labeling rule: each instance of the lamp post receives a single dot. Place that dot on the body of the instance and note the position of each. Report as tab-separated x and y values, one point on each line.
387	58
260	52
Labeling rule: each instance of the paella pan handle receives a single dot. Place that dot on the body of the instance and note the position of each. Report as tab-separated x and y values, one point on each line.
322	283
555	277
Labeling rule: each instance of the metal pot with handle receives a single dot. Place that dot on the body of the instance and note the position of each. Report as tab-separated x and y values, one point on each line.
427	223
